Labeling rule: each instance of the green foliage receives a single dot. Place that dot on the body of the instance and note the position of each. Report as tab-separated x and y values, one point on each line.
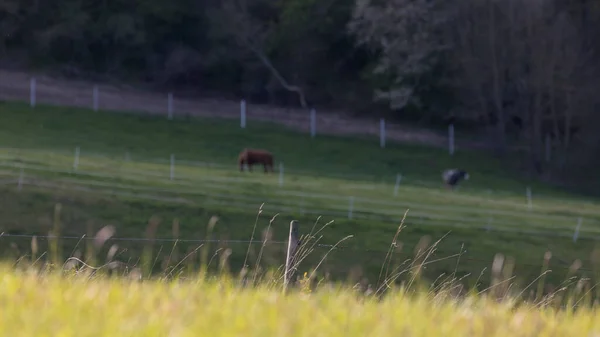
191	43
186	42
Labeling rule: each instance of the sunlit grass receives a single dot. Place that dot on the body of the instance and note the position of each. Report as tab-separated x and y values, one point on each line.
95	296
34	305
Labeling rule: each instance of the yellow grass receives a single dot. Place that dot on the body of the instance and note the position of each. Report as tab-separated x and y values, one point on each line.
51	305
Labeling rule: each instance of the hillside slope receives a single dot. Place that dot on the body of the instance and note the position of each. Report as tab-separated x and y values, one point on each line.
123	177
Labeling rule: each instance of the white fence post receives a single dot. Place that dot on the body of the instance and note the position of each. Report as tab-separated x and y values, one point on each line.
350	207
529	202
172	168
243	114
76	159
576	234
451	139
488	227
398	179
95	98
548	147
20	183
382	133
170	105
313	123
32	92
280	174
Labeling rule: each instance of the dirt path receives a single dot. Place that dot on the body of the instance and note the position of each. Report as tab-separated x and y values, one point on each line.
15	85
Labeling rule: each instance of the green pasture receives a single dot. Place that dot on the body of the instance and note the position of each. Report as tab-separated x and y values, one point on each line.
123	178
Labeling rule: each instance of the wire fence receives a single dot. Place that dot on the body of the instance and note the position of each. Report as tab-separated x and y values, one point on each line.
160	169
278	208
210	189
206	187
423	210
36	90
127	156
134	239
559	264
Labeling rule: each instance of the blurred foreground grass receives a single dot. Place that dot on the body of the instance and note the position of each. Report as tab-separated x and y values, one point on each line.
35	304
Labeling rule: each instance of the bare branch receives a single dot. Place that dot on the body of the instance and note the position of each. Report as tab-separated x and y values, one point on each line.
238	22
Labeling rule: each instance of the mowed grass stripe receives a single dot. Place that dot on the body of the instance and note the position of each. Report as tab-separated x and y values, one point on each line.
363	208
230	175
193	174
273	208
381	190
234	177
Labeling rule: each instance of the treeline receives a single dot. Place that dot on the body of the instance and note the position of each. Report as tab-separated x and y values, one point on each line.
520	71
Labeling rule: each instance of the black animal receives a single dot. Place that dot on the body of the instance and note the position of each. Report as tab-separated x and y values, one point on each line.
452	177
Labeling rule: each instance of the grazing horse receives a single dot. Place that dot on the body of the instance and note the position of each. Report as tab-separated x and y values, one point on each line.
453	176
253	156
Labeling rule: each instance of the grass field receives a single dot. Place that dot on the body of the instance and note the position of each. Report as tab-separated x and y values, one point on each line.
123	178
37	305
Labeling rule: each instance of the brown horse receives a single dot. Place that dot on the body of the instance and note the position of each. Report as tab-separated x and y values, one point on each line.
254	156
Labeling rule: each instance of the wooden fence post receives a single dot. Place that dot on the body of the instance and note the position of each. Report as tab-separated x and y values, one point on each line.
292	247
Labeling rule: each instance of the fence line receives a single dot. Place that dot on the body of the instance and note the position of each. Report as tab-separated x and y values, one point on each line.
186	201
194	163
17	85
230	197
133	239
230	241
418	183
389	214
368	201
550	232
228	201
366	178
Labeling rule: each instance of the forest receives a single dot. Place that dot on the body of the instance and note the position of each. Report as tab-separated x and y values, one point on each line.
523	73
